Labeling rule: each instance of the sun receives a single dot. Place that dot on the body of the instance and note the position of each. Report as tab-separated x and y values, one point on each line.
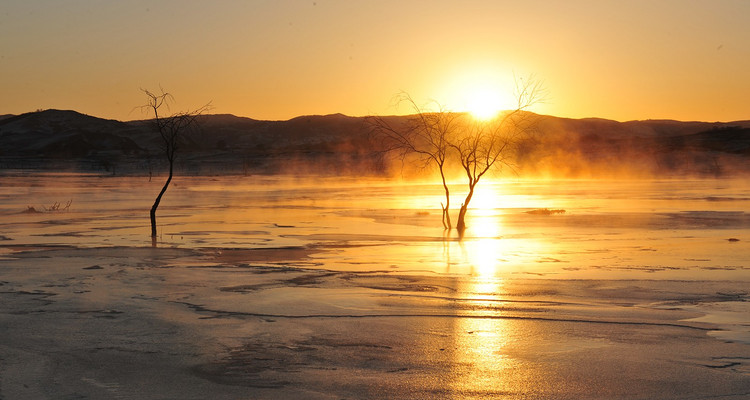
484	103
485	100
480	90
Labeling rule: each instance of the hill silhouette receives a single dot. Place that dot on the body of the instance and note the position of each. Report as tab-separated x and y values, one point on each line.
339	144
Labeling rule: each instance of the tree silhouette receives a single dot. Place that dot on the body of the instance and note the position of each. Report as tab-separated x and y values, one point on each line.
426	135
171	128
439	137
485	145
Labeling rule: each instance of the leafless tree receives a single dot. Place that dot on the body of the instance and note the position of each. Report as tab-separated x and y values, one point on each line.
487	145
436	138
426	136
171	128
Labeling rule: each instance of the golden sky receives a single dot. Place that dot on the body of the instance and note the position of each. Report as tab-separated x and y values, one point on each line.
623	60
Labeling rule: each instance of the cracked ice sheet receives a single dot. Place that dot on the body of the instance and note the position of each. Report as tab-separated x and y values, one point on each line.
289	290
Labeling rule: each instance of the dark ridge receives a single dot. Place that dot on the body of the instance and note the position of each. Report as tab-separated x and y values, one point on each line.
340	144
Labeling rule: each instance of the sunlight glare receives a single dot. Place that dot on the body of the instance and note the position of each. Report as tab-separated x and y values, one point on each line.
481	91
484	103
483	341
483	249
485	198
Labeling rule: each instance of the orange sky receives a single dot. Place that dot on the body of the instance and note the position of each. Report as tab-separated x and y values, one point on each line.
679	59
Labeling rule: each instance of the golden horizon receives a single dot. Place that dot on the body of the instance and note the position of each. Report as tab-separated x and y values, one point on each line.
282	60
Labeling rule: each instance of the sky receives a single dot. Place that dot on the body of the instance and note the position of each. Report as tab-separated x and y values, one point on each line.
275	60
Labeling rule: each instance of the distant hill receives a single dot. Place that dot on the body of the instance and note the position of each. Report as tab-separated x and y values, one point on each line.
61	139
595	147
339	144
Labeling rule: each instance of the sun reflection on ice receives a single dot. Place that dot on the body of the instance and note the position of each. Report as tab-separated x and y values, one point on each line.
481	361
483	246
482	336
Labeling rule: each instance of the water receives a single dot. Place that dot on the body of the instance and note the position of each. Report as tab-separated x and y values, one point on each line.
676	229
289	287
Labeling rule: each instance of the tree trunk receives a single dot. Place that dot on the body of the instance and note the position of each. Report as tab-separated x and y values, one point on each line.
461	224
156	203
446	208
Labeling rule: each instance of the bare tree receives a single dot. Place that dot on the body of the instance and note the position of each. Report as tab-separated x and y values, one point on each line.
171	128
484	146
436	138
426	135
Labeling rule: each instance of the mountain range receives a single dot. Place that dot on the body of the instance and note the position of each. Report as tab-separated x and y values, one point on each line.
59	140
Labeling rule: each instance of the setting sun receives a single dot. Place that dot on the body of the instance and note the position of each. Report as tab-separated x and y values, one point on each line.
483	89
484	103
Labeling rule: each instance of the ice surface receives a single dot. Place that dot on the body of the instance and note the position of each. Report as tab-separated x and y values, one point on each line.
282	287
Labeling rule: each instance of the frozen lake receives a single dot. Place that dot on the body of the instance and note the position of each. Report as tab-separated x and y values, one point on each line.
676	229
325	287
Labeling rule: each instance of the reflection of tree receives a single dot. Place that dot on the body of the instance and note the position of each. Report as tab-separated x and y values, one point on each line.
439	137
171	129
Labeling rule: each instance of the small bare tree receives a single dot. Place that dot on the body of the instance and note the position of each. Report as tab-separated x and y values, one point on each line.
427	135
488	145
171	128
438	137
